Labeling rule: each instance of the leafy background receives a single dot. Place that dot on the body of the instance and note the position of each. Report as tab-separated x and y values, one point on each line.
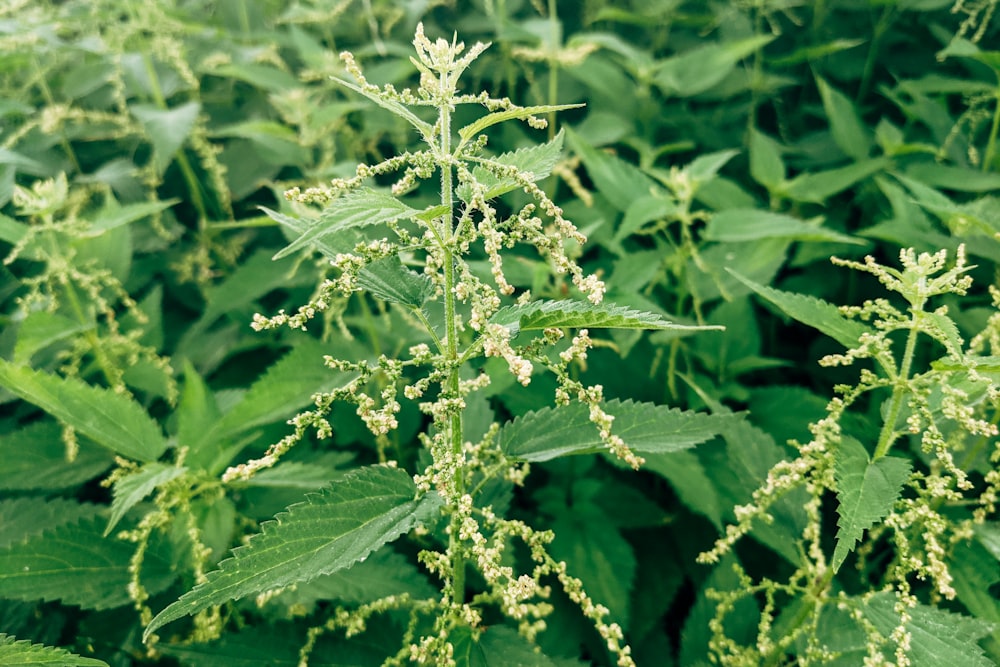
726	149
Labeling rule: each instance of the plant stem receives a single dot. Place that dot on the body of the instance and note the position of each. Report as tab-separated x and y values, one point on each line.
991	143
454	432
899	390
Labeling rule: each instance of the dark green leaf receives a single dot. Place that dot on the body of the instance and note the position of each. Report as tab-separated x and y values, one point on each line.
539	315
535	160
702	68
132	488
621	182
167	129
849	133
108	418
35	457
755	224
866	492
819	186
389	280
14	653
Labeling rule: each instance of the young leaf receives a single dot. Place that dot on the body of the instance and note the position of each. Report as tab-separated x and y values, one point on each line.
561	431
131	489
473	129
109	419
849	133
73	563
734	225
389	280
423	127
113	215
809	310
937	637
539	315
866	492
817	187
15	653
327	532
766	165
358	208
535	160
500	646
39	330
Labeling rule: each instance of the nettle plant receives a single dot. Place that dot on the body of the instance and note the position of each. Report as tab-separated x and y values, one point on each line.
921	479
442	268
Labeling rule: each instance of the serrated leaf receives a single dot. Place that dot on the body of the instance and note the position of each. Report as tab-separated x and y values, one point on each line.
535	160
425	128
359	208
109	419
689	480
736	225
329	531
35	458
866	492
499	646
73	563
471	130
22	653
21	518
539	315
389	280
817	187
849	133
766	165
549	433
114	215
937	637
131	489
619	181
167	129
818	314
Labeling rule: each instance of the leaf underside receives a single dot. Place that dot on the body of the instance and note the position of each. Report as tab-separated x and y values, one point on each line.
539	315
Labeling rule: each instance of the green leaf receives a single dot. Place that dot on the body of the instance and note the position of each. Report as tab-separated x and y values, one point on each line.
73	563
109	419
21	518
167	129
197	413
112	215
817	187
389	280
273	142
22	653
937	637
131	489
425	129
549	433
34	457
327	532
689	480
360	208
535	160
866	492
849	133
539	315
702	68
39	330
809	310
620	181
499	646
755	224
473	129
766	165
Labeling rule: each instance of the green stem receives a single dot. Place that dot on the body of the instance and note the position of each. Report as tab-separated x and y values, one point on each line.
773	659
50	101
900	388
991	143
554	43
454	432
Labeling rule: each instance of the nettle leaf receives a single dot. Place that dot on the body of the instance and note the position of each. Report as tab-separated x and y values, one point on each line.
539	315
167	129
18	653
34	457
329	531
389	280
499	646
109	419
866	492
473	129
549	433
359	208
849	133
702	68
425	128
131	489
937	637
535	160
817	187
113	215
766	165
75	564
39	330
755	224
21	518
818	314
619	181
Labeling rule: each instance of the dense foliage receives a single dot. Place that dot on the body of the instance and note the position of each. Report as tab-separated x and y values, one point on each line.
370	332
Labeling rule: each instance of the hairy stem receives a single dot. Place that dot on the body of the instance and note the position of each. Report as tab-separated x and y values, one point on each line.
899	391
